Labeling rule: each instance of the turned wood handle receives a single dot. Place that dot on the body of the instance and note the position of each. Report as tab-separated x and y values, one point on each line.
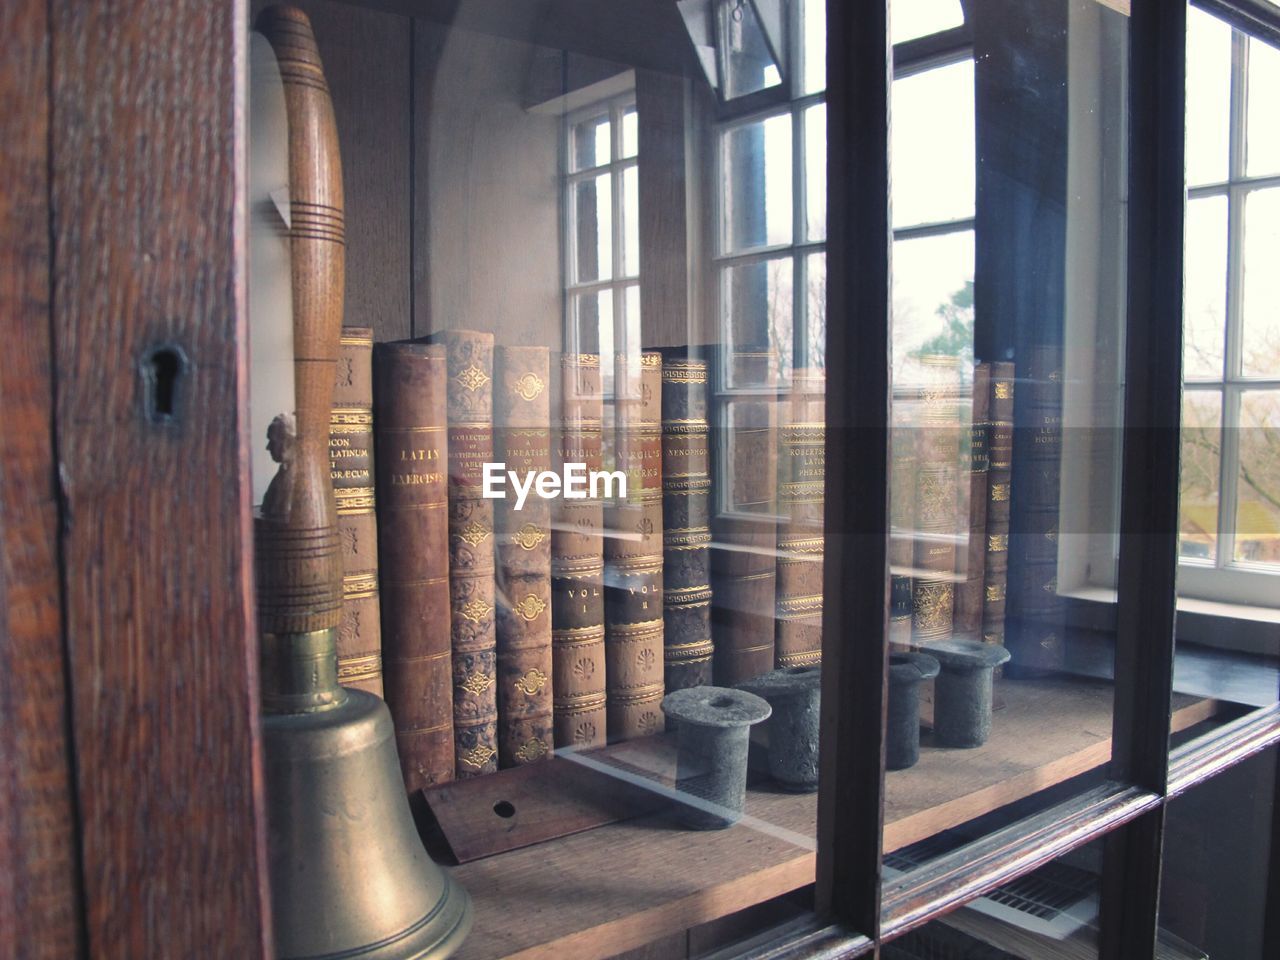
299	557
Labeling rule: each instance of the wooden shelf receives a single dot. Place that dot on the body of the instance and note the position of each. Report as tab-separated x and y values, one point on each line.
620	886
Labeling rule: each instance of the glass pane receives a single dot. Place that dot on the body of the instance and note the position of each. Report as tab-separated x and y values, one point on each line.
1208	97
747	64
757	300
592	315
932	301
589	143
1262	151
813	27
592	213
815	172
1205	321
918	18
1217	862
933	145
1200	472
1260	346
815	271
1257	530
630	133
756	190
631	221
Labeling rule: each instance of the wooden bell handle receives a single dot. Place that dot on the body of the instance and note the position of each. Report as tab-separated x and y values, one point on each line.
299	558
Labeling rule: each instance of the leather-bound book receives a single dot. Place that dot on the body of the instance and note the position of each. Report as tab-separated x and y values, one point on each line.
686	521
411	453
744	525
995	573
472	607
351	469
577	565
633	554
937	517
801	477
972	562
522	440
902	514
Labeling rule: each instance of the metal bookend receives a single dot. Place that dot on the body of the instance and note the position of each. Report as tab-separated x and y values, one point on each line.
349	875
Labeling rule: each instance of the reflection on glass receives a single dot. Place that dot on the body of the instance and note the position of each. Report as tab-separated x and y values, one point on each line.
1201	469
631	317
630	222
815	161
589	145
1206	288
756	191
932	301
933	145
815	271
1260	347
630	133
1262	148
757	304
593	321
1208	97
1257	533
813	27
593	228
918	18
747	65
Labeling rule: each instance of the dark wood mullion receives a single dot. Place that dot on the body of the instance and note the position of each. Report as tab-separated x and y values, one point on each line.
1210	755
1148	561
1255	17
814	941
855	661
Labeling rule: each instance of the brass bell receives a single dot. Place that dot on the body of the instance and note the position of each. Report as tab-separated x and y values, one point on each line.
350	878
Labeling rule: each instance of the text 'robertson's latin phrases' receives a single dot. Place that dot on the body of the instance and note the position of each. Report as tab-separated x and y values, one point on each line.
576	482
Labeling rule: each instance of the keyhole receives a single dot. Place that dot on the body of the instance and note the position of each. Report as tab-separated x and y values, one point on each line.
503	808
161	370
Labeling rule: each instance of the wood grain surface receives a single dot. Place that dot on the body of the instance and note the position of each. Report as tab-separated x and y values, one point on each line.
39	872
149	331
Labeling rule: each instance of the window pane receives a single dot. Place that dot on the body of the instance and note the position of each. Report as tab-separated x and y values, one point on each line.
815	269
593	321
1208	97
1206	288
932	301
1260	348
746	63
630	133
933	145
1258	486
815	172
630	221
589	143
756	300
1263	133
814	51
1201	462
593	228
756	194
918	18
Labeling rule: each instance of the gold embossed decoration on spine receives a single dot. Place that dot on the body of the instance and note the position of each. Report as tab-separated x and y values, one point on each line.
995	573
351	469
633	554
577	566
801	476
522	440
969	588
472	603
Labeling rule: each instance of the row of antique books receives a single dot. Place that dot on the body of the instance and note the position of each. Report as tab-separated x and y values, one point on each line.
950	497
500	630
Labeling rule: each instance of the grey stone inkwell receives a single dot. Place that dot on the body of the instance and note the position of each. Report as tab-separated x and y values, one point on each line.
794	695
962	696
714	727
902	734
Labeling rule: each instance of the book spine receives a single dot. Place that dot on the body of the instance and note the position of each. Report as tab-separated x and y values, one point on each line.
937	492
686	523
633	554
411	454
469	360
995	574
351	469
744	522
801	476
522	440
577	566
968	616
902	513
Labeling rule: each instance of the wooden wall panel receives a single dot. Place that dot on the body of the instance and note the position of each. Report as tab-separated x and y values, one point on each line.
149	333
39	875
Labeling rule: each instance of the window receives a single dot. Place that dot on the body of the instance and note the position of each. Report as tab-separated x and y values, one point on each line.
1230	491
602	231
